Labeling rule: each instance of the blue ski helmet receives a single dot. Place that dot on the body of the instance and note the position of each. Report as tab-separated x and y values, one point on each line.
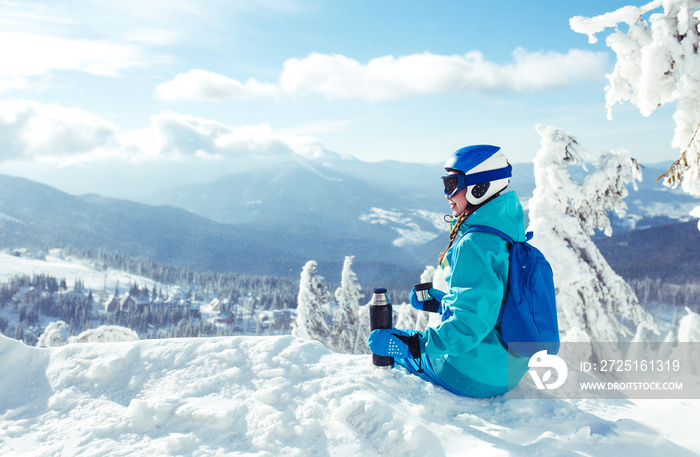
485	171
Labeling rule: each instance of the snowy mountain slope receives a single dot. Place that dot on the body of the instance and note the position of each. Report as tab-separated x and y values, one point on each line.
40	216
302	193
272	396
45	217
307	191
94	277
667	252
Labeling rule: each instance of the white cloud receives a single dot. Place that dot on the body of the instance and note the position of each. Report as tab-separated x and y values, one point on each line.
23	15
383	78
534	71
28	54
49	132
389	77
318	127
12	82
109	38
207	86
98	38
153	37
174	136
32	131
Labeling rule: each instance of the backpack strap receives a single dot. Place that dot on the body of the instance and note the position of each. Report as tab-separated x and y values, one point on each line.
481	228
486	228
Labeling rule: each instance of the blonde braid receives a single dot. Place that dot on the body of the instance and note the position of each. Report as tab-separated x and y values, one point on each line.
455	230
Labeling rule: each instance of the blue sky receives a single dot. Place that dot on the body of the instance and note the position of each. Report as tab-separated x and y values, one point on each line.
86	82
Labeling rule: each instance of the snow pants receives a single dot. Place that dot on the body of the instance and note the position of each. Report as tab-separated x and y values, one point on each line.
427	373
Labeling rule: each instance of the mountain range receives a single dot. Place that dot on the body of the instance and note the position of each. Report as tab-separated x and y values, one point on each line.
269	220
349	195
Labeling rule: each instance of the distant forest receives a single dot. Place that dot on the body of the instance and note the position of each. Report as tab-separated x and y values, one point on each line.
82	309
274	292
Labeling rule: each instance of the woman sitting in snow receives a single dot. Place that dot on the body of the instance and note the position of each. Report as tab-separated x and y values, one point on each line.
464	354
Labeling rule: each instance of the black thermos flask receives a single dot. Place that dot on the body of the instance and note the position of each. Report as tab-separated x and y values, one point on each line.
380	316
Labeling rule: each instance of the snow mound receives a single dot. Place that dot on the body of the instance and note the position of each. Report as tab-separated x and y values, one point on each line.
58	334
272	396
105	334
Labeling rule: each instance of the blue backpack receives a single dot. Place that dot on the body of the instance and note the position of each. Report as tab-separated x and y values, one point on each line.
528	321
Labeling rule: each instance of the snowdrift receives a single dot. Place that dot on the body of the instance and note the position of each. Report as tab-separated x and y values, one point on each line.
272	396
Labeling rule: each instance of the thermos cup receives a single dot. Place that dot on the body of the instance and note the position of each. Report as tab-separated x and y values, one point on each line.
422	291
380	316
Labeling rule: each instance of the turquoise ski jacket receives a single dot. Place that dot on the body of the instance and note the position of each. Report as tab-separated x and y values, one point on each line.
464	350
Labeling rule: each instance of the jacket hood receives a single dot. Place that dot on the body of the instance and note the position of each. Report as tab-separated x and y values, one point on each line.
503	213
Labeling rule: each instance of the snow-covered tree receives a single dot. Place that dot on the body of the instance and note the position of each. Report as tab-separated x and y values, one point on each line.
311	302
349	293
58	334
345	317
55	334
657	63
688	332
105	334
689	327
594	303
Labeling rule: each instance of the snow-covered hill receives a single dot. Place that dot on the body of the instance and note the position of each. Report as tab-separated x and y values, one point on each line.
94	276
283	396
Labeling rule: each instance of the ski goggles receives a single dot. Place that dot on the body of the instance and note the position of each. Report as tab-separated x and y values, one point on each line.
455	182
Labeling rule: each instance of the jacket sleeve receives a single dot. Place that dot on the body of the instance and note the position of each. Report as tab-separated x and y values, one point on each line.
477	287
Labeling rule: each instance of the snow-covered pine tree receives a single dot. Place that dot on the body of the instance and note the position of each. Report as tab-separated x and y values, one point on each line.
689	327
311	301
594	303
688	332
345	317
657	63
55	334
